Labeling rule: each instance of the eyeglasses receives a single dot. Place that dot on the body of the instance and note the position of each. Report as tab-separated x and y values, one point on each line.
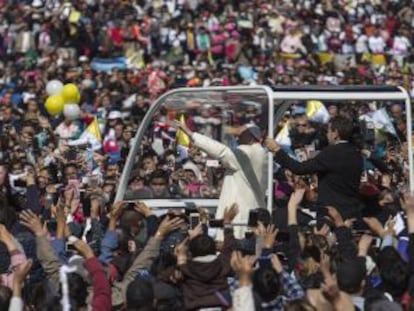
302	124
158	183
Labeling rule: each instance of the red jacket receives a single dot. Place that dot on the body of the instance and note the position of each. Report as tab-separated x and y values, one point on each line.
101	300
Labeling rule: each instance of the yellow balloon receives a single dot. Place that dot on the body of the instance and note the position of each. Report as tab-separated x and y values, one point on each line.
54	104
70	93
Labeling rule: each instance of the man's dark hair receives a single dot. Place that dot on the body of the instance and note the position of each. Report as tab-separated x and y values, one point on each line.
351	274
266	283
28	124
202	245
42	297
140	295
246	138
344	127
264	216
5	296
159	173
149	154
69	165
77	290
394	271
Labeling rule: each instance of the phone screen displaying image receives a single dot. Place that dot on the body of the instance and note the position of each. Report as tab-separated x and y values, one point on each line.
194	220
253	218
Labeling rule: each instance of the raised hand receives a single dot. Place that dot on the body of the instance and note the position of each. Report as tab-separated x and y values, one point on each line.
243	266
168	225
20	273
117	210
84	249
271	145
32	222
198	230
270	236
230	213
296	197
324	231
142	208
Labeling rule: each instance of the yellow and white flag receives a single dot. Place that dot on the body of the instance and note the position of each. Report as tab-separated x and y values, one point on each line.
317	112
91	135
183	142
283	138
182	138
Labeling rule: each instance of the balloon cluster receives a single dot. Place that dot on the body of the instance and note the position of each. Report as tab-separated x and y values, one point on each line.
63	98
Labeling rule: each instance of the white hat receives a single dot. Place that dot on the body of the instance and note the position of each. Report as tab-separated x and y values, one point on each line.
37	3
114	115
191	166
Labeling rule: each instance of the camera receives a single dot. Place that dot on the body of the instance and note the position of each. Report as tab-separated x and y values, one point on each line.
367	132
20	183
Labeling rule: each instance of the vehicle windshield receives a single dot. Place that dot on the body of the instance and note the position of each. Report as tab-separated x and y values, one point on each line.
168	166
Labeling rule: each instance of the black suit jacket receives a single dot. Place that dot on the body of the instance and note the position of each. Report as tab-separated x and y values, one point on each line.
339	168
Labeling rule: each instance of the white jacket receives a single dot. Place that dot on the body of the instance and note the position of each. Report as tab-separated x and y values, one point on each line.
236	187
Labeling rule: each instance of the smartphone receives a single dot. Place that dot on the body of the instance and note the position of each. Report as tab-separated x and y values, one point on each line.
194	220
282	236
248	235
247	251
131	206
20	183
360	225
52	226
253	218
264	262
70	248
216	223
377	242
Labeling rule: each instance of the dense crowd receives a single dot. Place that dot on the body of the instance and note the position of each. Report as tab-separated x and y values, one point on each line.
66	245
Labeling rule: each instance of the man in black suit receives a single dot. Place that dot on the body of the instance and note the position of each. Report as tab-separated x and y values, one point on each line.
339	167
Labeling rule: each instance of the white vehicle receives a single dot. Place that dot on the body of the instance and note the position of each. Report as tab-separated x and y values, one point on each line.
216	107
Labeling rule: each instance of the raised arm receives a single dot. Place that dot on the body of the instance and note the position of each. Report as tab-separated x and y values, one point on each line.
317	164
212	147
44	251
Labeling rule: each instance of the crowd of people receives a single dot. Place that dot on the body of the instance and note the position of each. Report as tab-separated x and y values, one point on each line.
66	245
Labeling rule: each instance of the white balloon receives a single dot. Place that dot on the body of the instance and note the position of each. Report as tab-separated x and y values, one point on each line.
54	87
71	111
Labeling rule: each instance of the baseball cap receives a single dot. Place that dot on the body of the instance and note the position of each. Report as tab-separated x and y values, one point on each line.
254	130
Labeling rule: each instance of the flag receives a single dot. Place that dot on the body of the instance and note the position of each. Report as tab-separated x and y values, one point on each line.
283	138
182	138
316	111
383	122
91	135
